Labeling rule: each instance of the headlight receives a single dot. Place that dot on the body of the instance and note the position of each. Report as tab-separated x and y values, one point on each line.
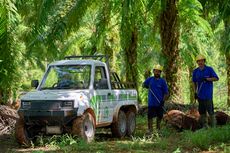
26	104
67	104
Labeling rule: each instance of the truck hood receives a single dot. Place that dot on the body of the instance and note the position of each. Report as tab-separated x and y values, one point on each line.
54	95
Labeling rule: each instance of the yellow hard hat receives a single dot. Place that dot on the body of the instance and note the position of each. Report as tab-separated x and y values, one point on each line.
158	67
200	57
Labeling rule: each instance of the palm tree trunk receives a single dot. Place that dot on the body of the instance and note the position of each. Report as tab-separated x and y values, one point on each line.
192	99
1	97
227	53
131	59
169	31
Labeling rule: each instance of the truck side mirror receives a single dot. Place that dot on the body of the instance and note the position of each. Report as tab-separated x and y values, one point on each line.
34	83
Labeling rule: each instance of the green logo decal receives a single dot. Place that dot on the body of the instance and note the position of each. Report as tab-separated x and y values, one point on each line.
106	115
98	100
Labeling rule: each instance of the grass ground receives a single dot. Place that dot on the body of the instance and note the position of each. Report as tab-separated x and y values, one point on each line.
168	141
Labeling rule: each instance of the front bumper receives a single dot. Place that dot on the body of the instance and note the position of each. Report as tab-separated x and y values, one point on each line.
48	117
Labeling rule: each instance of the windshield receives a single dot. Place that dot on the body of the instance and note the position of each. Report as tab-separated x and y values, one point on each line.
67	77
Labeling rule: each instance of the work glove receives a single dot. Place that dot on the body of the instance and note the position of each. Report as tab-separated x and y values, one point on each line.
195	95
204	79
144	86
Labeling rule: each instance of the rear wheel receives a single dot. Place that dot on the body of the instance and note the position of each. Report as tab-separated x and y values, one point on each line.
131	122
21	133
119	126
84	127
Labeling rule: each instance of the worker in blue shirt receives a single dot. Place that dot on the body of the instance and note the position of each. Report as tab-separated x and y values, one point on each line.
203	78
158	93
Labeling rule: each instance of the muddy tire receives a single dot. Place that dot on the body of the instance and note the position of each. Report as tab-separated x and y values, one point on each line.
21	133
119	126
84	127
131	123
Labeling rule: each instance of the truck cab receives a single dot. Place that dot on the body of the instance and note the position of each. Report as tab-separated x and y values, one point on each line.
76	96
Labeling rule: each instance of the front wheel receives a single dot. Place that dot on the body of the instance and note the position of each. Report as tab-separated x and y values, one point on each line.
131	122
84	127
119	125
21	133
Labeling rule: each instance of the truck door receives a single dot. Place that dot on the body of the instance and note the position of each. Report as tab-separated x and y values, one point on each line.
102	96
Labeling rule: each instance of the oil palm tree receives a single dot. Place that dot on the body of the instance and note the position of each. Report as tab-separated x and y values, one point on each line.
131	21
225	12
169	32
11	50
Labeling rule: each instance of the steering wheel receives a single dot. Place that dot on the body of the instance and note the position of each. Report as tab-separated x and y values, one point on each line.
54	85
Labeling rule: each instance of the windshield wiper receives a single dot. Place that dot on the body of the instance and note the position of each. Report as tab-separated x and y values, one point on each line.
49	88
54	88
63	88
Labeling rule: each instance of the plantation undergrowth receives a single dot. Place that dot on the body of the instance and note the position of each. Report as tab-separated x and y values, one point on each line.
167	140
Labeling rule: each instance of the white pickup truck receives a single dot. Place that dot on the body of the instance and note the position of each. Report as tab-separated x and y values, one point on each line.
75	96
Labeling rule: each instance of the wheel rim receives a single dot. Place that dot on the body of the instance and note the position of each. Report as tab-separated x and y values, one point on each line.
88	128
122	124
132	121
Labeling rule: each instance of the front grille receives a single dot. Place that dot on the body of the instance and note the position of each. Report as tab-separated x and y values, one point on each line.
45	104
45	120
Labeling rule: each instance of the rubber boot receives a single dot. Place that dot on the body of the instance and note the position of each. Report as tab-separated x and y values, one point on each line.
204	121
150	127
213	120
158	124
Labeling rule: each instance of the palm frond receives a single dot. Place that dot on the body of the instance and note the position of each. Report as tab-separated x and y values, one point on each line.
11	48
66	17
191	12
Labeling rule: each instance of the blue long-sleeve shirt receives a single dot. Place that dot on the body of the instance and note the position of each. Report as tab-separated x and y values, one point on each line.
204	88
159	89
